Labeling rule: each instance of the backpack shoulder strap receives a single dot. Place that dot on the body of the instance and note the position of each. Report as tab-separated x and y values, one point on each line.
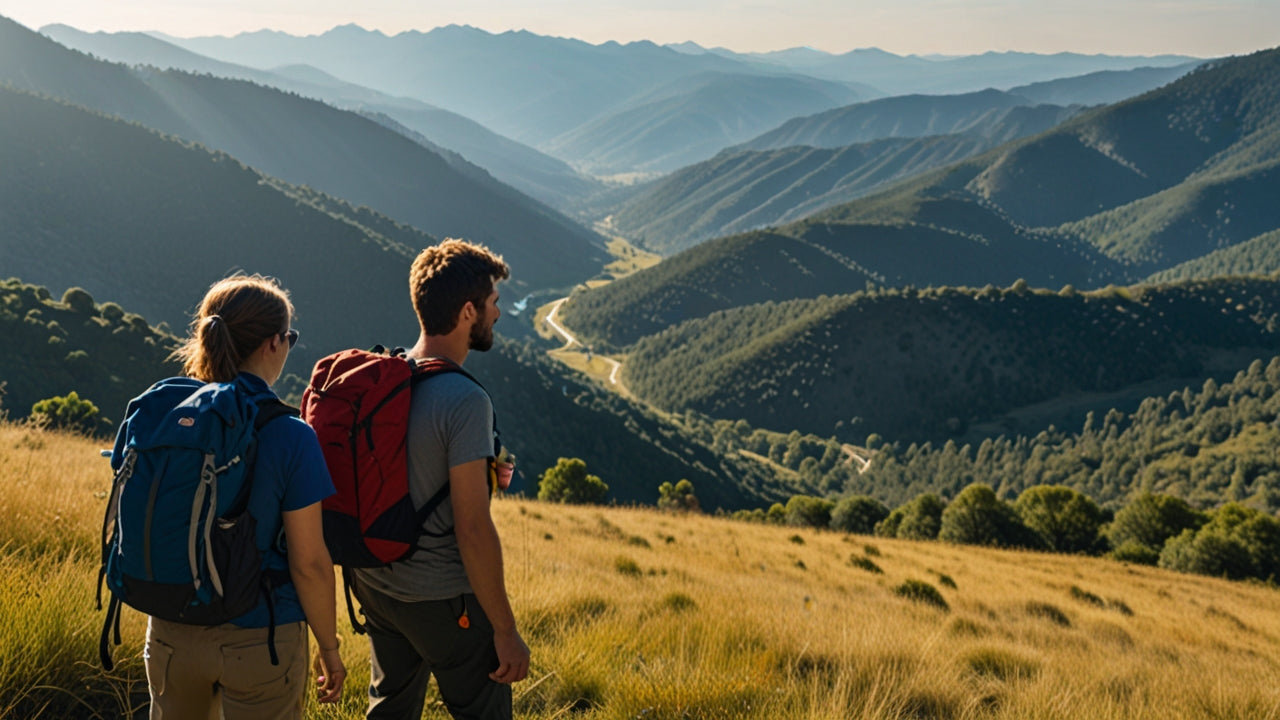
271	408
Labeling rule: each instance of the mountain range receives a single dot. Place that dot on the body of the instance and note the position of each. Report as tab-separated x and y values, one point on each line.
534	173
306	142
814	162
840	263
561	95
904	75
1112	195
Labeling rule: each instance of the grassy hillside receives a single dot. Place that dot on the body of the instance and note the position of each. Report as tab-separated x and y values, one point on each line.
926	364
633	612
306	142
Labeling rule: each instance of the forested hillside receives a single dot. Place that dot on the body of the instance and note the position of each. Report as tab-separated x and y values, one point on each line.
812	258
1110	196
150	222
306	142
926	364
1259	256
1104	86
907	116
107	356
740	190
53	347
1207	444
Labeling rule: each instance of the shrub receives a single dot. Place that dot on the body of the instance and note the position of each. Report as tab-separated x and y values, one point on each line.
626	566
1049	612
858	514
112	312
568	482
922	592
809	511
871	550
79	301
921	518
678	602
1135	552
1065	520
1208	552
1152	519
865	563
977	517
68	412
1085	596
677	497
1000	664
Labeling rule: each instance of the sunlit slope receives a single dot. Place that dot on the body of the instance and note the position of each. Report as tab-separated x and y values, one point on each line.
631	612
1261	255
942	239
912	365
816	162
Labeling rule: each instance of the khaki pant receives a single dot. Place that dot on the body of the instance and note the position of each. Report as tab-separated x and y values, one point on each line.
225	671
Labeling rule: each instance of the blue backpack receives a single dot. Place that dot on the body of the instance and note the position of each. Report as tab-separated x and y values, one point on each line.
177	538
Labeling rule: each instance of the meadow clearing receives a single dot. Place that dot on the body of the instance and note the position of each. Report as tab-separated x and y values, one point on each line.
633	613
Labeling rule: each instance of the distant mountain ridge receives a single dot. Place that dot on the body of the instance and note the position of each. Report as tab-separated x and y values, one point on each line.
822	160
907	74
1112	195
675	131
308	142
534	173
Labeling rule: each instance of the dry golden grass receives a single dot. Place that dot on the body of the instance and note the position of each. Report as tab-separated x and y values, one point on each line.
635	614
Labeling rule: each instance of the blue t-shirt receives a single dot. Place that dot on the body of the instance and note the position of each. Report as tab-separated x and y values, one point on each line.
289	474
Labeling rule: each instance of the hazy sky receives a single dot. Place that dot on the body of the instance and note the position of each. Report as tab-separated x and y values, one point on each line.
1191	27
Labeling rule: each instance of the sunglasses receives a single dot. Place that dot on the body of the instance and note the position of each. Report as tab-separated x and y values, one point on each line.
290	336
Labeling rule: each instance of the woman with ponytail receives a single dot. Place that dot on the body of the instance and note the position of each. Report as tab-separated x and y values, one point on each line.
241	333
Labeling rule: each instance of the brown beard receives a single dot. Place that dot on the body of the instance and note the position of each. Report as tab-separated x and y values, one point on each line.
481	333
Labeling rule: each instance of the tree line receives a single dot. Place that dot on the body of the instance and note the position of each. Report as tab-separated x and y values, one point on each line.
1235	541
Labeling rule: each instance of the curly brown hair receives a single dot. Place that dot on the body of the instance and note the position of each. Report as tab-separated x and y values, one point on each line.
447	276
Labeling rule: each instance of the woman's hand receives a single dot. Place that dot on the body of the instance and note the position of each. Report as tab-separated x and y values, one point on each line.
330	674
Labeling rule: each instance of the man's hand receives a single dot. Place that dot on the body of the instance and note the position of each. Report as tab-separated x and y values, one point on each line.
513	657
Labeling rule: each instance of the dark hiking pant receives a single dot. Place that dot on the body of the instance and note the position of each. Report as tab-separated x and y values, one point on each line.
411	641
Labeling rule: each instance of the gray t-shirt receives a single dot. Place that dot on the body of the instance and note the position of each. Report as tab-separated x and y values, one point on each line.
450	424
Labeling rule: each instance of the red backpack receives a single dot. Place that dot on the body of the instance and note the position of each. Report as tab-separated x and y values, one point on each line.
358	404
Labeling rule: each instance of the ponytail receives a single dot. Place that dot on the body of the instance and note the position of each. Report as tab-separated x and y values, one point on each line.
235	316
